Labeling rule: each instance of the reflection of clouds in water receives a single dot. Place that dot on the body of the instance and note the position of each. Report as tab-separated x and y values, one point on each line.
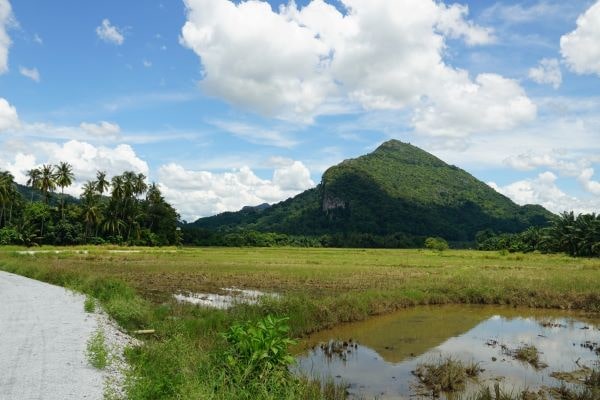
369	374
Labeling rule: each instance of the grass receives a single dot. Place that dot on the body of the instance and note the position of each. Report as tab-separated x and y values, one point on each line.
97	352
320	288
529	354
89	306
446	375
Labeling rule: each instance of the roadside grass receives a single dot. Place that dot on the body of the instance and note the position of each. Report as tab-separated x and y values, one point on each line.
185	357
89	305
97	351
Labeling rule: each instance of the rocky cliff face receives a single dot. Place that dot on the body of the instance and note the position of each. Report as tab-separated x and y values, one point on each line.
332	203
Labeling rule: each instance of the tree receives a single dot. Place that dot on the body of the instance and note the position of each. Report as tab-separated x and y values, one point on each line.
8	195
437	243
33	179
101	183
47	183
63	177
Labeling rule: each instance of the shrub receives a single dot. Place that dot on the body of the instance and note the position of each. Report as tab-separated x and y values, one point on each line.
436	243
258	349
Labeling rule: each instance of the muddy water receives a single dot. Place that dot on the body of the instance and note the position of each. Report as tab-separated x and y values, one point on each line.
390	347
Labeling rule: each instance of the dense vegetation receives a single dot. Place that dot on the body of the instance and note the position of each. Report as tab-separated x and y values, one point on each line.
123	210
575	235
398	189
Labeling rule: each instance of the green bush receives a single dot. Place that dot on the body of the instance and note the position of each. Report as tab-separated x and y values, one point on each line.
436	243
258	349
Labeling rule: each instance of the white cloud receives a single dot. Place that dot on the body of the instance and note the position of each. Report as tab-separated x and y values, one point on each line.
453	23
85	158
299	62
201	193
581	48
547	72
255	134
555	160
102	129
110	33
489	104
544	191
31	73
6	19
147	63
519	13
9	118
585	178
37	38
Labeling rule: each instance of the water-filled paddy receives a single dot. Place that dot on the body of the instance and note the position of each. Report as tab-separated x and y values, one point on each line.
376	357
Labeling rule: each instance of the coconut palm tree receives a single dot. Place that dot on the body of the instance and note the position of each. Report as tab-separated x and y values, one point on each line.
34	175
8	194
64	177
139	184
102	183
47	182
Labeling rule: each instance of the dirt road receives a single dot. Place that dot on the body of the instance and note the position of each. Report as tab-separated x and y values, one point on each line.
43	336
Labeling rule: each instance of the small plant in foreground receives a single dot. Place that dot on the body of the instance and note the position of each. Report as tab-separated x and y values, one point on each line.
97	353
259	349
89	305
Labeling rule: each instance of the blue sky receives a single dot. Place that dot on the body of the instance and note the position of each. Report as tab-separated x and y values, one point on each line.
228	104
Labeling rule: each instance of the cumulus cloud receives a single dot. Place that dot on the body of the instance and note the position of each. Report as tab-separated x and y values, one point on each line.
547	72
110	33
296	62
85	158
585	178
566	164
490	103
102	129
556	160
31	73
544	191
201	193
581	47
6	19
9	118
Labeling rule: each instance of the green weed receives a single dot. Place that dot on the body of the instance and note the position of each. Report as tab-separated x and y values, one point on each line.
89	305
97	352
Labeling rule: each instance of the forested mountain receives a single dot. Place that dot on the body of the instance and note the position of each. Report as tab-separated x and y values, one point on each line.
397	189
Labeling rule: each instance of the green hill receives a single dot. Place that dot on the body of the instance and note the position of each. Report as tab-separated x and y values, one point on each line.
397	189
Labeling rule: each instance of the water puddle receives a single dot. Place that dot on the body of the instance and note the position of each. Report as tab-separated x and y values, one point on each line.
34	252
376	358
231	297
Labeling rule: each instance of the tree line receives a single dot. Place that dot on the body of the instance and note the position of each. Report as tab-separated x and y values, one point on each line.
576	235
122	209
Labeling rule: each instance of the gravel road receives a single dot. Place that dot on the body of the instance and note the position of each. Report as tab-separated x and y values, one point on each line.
43	336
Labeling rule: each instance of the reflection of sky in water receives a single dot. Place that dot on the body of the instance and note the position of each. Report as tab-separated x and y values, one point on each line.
369	374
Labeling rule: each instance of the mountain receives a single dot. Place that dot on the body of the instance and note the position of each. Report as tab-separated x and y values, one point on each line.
398	188
36	195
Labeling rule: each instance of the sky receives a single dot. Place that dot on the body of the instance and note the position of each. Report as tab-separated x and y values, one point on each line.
234	103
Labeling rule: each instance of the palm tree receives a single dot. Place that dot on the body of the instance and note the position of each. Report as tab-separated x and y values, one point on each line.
8	194
46	182
102	183
64	177
33	180
140	185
